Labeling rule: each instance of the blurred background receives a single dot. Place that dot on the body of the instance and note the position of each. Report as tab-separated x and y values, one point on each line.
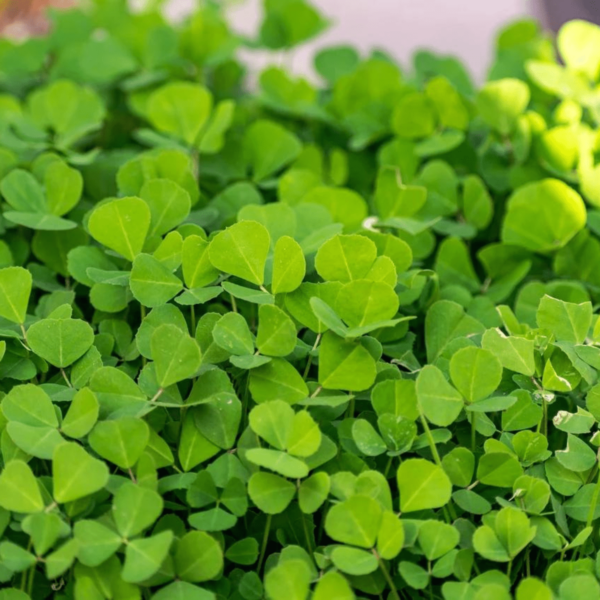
464	28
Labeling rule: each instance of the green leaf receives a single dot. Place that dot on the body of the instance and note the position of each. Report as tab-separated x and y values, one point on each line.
313	492
273	422
569	322
498	469
152	283
345	258
271	493
290	579
30	405
121	225
197	268
97	543
243	552
121	441
23	192
276	335
198	557
438	400
231	333
135	508
268	147
515	353
75	473
366	438
543	216
277	380
486	543
577	455
219	419
345	365
176	355
355	521
44	530
363	302
15	285
82	414
500	103
354	561
63	188
333	585
60	341
241	250
35	441
475	372
277	461
19	490
437	539
422	485
398	398
578	45
305	437
144	556
180	109
513	530
289	266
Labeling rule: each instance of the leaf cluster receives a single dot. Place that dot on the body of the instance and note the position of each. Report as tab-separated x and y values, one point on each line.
328	341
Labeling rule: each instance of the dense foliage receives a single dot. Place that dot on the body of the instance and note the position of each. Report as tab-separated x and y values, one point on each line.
326	342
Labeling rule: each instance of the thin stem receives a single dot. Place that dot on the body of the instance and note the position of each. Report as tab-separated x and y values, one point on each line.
65	377
24	333
387	576
306	535
509	568
233	303
265	541
316	392
449	512
473	433
31	580
309	361
351	408
264	289
432	446
593	503
157	395
24	575
388	466
193	319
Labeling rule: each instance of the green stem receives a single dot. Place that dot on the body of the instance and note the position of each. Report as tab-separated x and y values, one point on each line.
432	446
193	319
509	568
473	433
388	466
306	535
309	361
233	303
66	378
593	503
31	580
351	408
387	576
265	541
545	417
24	575
448	512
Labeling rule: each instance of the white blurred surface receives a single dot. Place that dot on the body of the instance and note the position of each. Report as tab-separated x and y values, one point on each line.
465	28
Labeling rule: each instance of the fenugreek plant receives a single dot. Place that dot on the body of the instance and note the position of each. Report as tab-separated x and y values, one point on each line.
290	340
